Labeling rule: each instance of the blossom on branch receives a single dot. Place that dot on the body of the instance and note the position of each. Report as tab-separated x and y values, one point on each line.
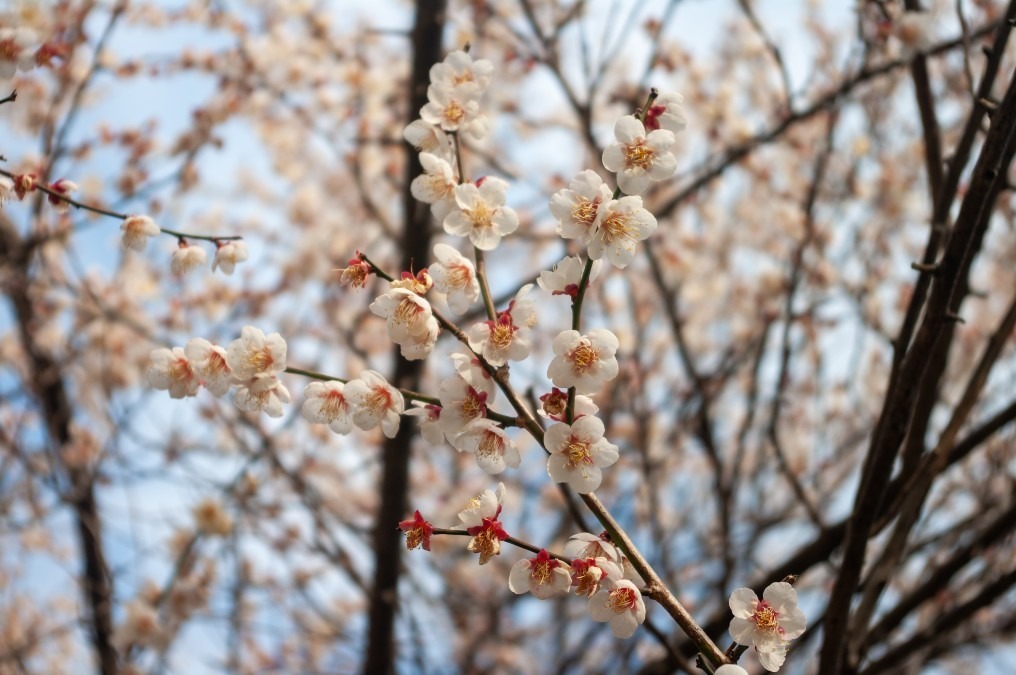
326	403
210	363
436	185
418	532
589	574
624	224
577	452
410	321
461	403
254	353
577	208
455	108
639	158
587	545
564	277
479	518
455	276
621	605
62	187
375	402
481	214
137	230
427	138
430	421
228	254
186	257
16	51
555	405
357	273
542	576
459	68
171	370
767	624
583	361
666	112
489	442
262	393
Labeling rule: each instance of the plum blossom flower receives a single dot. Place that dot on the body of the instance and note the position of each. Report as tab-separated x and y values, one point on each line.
23	184
326	403
357	273
637	157
410	320
418	532
461	403
419	284
375	402
210	518
555	405
481	214
210	363
137	230
500	341
564	277
436	185
455	275
489	442
228	254
542	576
577	208
6	190
480	520
171	370
621	605
62	187
583	361
16	51
623	225
589	573
667	112
455	108
186	257
577	452
586	545
254	354
767	624
430	421
459	67
472	371
262	393
427	138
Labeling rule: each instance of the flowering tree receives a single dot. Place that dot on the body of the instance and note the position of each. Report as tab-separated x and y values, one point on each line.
722	380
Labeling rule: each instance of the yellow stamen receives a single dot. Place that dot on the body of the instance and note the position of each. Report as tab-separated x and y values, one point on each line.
638	155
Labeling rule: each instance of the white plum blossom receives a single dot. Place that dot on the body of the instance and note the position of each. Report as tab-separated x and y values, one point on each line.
16	51
459	67
583	361
61	187
767	624
621	605
326	403
171	370
186	257
254	353
455	275
455	108
228	254
624	224
375	402
427	138
210	363
489	441
500	341
589	574
564	277
410	320
262	393
577	453
577	208
481	214
430	418
586	545
436	185
542	576
137	230
480	519
461	403
555	405
666	112
522	308
473	372
639	158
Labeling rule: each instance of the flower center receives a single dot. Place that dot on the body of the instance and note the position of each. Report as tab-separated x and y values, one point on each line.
414	537
585	211
406	312
472	406
9	50
621	600
486	543
217	364
491	445
501	335
766	618
260	360
378	401
637	155
453	112
616	226
481	216
578	452
334	405
540	572
441	186
583	358
180	370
